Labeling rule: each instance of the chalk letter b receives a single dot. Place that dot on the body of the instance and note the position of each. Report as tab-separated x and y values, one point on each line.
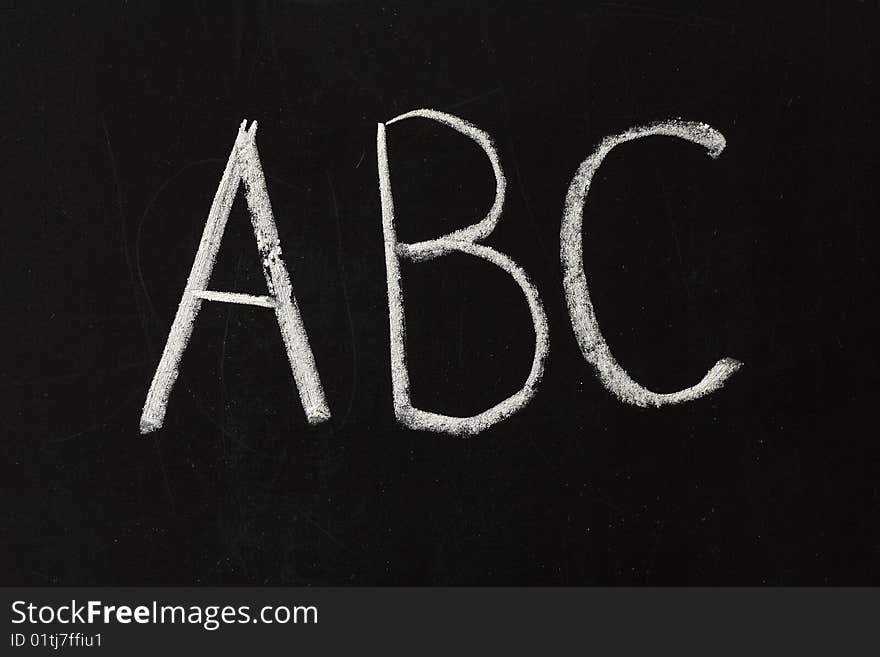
462	241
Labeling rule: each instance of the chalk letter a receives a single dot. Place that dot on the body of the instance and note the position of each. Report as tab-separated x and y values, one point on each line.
243	165
464	241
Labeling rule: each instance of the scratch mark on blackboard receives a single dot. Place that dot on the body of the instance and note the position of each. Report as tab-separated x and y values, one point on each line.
340	260
142	222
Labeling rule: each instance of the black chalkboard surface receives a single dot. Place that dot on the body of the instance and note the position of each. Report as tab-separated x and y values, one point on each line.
117	122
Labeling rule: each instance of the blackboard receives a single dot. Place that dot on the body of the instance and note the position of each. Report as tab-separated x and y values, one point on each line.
117	120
